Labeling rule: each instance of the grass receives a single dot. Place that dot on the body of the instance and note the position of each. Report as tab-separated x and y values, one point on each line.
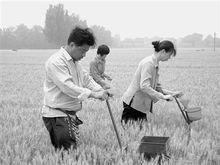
24	139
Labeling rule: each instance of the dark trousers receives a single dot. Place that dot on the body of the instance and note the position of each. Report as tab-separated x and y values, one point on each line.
131	115
64	132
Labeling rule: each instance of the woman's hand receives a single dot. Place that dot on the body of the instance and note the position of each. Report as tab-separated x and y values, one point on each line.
177	94
109	78
168	97
106	86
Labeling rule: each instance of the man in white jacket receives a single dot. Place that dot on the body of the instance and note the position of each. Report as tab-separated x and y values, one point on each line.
65	87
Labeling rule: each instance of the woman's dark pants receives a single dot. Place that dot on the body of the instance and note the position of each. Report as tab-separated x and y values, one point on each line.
131	115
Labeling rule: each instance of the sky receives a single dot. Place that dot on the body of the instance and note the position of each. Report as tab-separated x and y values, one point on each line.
129	19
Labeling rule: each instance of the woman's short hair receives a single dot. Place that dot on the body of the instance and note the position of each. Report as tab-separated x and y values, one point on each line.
103	50
80	36
168	46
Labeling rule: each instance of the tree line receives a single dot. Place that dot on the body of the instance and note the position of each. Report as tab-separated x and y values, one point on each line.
58	24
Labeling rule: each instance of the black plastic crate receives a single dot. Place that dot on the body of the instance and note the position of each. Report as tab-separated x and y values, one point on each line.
151	146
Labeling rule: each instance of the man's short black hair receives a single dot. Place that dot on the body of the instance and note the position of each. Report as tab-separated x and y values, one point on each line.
102	50
81	36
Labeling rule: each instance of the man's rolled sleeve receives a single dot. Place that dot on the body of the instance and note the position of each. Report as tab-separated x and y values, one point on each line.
90	83
60	75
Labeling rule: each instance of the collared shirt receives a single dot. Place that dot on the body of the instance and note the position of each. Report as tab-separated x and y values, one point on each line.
97	69
66	85
145	85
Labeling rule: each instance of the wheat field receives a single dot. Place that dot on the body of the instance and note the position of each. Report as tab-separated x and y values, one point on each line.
24	139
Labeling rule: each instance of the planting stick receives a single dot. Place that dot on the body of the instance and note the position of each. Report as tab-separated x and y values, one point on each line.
113	122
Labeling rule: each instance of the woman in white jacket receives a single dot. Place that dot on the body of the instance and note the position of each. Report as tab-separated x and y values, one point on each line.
145	88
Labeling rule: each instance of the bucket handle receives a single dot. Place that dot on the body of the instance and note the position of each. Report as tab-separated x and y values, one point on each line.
184	113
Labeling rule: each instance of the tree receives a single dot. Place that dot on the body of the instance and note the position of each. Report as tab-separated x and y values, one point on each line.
192	40
8	39
217	42
1	35
102	35
116	41
58	24
138	42
208	41
36	39
127	43
21	33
